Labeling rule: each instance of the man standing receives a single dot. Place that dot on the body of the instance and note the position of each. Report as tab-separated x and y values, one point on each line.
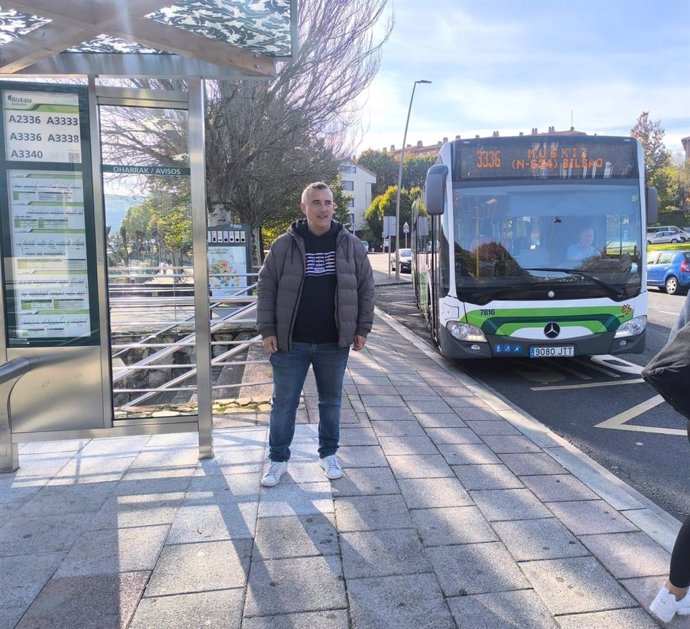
315	300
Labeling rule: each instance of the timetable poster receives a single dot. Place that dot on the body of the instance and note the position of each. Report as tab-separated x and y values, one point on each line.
49	255
227	268
41	127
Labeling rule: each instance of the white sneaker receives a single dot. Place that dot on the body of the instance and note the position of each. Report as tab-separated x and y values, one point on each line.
665	606
331	466
272	475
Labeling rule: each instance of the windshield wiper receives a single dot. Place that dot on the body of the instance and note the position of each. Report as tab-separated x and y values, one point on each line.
610	288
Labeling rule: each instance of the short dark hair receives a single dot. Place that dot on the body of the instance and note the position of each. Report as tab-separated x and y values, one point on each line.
317	185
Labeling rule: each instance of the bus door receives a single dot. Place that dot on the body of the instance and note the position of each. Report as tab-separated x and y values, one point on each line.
435	288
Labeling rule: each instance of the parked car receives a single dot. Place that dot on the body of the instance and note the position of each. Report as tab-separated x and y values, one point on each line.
405	261
662	237
669	270
663	228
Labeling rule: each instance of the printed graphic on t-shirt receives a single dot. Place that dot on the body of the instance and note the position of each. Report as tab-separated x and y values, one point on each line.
320	263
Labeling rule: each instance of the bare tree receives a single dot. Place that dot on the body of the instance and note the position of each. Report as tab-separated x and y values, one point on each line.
139	136
267	140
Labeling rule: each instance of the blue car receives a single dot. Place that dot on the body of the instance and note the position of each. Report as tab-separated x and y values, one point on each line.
669	270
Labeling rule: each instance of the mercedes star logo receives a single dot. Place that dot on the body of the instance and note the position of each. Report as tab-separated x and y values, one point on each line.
552	330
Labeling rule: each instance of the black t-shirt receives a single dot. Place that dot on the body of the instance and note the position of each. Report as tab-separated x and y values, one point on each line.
315	321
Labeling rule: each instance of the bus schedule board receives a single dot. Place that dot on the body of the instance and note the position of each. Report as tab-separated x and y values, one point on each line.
46	205
41	127
572	157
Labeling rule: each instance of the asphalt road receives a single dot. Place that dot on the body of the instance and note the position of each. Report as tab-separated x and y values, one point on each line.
598	403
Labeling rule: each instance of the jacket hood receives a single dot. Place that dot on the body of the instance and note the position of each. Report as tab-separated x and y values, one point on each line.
299	228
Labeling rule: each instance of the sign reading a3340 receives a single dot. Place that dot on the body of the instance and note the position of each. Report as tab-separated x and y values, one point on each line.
42	127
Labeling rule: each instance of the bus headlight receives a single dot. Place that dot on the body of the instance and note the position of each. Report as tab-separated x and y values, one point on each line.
632	328
465	331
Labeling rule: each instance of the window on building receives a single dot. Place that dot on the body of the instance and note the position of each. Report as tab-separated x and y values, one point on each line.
348	169
348	186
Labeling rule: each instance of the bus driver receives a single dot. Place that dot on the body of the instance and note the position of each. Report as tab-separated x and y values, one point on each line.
583	248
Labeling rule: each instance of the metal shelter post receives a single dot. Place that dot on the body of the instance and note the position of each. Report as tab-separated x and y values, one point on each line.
202	304
9	375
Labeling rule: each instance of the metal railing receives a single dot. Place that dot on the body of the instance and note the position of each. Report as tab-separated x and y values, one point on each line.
174	315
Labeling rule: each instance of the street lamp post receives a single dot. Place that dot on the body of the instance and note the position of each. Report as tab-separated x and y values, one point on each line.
397	196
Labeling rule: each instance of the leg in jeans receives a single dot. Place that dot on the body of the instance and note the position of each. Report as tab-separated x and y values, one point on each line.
289	372
680	558
329	362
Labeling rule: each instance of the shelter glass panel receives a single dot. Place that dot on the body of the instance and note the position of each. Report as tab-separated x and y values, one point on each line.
150	264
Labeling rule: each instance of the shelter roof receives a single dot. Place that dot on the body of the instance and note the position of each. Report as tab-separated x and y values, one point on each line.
162	38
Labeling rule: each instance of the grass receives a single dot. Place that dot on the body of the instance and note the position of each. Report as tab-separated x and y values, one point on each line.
679	246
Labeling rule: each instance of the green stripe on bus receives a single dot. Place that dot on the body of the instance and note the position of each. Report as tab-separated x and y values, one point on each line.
601	319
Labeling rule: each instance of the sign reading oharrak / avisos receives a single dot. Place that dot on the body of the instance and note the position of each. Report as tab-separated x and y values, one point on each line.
47	218
160	171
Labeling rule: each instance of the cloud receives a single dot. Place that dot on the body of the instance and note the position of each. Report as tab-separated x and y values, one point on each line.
499	65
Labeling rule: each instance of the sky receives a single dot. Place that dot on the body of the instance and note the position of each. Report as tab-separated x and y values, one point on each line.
511	65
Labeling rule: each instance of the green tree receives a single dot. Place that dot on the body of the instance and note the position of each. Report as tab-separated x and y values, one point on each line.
383	165
162	224
387	168
136	230
384	205
657	160
415	169
684	193
174	225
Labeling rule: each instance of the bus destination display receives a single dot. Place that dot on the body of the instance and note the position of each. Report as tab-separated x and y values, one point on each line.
573	159
41	127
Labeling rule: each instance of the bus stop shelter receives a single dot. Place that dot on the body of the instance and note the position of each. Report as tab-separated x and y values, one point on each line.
62	386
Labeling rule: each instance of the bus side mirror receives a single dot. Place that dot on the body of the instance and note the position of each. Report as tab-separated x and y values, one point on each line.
435	189
652	205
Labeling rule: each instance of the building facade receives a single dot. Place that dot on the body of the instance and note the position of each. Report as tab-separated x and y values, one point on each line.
358	183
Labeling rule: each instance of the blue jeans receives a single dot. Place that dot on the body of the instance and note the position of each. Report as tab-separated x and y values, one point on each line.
289	373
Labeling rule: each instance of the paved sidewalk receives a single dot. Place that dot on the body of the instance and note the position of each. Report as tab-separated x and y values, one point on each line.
456	510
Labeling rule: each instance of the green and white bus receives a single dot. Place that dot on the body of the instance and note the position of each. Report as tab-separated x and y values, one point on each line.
534	246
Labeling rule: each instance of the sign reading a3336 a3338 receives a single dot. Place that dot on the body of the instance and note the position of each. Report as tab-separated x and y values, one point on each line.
41	127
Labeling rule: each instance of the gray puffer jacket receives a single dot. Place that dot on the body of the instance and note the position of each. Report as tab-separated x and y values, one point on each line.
280	288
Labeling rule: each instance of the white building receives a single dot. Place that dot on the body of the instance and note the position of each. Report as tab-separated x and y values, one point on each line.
357	185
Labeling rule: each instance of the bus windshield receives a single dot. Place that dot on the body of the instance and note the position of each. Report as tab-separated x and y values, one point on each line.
518	240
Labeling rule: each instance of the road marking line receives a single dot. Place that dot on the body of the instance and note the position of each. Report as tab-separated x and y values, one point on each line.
619	422
591	365
613	362
590	385
575	372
